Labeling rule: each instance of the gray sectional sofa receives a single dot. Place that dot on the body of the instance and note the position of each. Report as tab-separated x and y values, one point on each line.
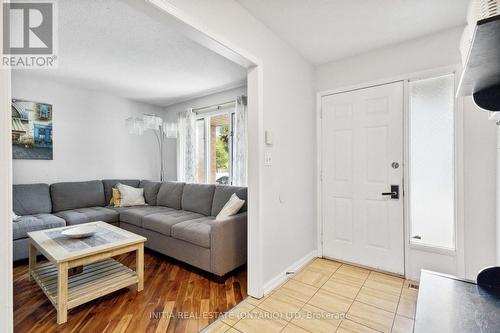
178	221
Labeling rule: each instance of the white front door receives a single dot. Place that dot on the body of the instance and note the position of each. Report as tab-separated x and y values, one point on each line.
362	157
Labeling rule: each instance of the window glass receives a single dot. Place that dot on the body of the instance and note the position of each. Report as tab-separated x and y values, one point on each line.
431	169
219	152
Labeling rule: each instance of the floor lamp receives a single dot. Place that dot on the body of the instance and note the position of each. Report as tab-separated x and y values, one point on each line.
162	130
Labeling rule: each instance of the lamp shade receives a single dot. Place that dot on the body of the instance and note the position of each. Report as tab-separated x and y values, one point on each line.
152	121
170	130
135	125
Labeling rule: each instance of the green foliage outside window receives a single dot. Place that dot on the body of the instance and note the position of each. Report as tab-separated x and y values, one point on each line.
222	147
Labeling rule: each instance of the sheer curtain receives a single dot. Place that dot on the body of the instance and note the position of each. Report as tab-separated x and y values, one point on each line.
186	162
240	143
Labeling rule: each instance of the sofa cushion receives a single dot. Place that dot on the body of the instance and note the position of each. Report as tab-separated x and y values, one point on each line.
198	198
150	191
135	215
31	199
110	183
67	196
29	223
118	209
170	195
163	222
195	231
222	195
91	214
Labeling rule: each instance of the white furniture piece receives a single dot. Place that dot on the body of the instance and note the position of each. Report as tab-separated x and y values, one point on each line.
97	273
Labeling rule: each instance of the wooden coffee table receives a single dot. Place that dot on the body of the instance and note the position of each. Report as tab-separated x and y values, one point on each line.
97	273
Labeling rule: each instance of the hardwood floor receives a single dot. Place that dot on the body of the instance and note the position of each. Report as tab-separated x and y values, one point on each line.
176	298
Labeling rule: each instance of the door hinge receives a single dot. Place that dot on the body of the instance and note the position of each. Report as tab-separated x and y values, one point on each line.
321	113
321	176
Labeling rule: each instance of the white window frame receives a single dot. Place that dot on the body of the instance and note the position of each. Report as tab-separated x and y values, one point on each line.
206	116
457	132
457	169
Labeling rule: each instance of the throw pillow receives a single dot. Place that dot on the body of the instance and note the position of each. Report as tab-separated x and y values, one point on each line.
231	207
131	196
116	198
15	217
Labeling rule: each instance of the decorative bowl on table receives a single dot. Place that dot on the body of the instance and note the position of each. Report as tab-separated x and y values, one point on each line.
80	231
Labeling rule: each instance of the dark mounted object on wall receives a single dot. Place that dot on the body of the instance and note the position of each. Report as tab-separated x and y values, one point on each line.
488	99
481	75
489	278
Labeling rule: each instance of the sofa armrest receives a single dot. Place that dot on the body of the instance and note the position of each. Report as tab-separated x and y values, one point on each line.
228	243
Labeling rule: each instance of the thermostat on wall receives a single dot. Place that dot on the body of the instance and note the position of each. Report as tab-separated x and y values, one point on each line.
268	138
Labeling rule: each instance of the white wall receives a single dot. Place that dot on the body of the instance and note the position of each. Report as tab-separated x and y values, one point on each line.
423	54
288	107
91	140
6	276
170	114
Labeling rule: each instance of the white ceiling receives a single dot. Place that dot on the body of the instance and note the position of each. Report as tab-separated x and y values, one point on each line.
328	30
108	45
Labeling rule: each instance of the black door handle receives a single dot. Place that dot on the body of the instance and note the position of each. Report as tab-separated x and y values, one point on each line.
394	192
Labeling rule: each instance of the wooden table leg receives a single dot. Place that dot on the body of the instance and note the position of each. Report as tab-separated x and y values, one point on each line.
139	263
62	293
32	259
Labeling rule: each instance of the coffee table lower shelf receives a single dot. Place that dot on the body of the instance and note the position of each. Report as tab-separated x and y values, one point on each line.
97	279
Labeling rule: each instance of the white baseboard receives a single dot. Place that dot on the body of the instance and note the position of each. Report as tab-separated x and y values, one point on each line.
282	277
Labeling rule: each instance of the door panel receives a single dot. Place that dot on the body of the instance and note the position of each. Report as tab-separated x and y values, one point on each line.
361	138
343	214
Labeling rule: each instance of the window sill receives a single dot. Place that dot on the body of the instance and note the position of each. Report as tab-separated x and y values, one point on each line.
433	249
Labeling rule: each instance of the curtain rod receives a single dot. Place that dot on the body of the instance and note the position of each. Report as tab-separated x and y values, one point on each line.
218	106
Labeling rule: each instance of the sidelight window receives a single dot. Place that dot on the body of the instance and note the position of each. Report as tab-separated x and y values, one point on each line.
432	162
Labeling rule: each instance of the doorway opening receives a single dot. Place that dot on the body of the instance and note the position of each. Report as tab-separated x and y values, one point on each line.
223	171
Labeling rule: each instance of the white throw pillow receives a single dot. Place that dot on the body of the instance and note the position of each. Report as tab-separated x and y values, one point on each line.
231	207
15	217
131	196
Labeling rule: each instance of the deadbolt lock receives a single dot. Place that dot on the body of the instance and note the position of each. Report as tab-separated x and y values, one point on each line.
395	165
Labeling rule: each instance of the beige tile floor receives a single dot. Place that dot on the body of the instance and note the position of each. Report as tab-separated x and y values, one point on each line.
327	297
